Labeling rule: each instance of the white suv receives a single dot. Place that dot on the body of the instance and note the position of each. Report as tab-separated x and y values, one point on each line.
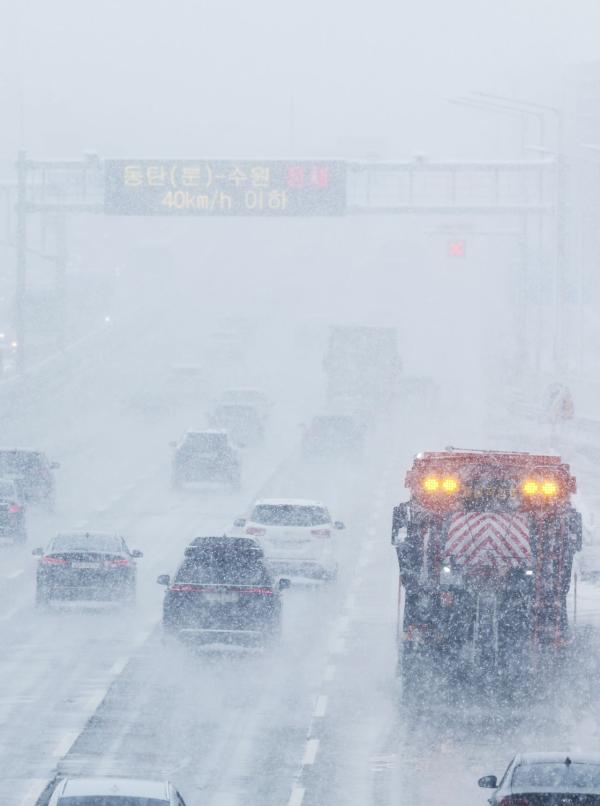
298	536
113	792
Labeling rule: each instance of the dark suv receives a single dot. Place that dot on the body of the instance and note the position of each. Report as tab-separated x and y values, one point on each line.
205	456
223	593
33	472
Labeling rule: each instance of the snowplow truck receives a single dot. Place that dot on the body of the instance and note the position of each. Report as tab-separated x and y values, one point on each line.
485	547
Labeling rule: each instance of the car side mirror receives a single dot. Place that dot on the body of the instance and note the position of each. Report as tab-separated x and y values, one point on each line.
38	552
136	553
339	525
284	584
164	579
54	465
239	523
488	782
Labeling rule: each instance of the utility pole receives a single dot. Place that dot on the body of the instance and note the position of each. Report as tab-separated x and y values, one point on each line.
21	278
61	279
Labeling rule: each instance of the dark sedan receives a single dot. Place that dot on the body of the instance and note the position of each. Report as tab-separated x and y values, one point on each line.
547	779
12	512
86	566
223	593
205	457
33	471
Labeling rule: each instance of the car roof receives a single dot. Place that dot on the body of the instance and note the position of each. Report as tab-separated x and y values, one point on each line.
116	786
224	541
237	404
290	502
88	533
557	757
251	390
206	431
21	450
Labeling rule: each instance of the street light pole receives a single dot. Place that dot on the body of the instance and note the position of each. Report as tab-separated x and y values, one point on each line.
484	102
21	277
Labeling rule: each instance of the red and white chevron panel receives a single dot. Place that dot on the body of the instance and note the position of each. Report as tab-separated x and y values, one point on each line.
489	540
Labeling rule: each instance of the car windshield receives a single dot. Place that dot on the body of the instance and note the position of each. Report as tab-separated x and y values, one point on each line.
204	442
19	462
290	515
223	568
557	776
107	544
111	800
235	412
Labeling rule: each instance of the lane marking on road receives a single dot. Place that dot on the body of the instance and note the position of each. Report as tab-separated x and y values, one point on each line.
34	790
15	574
310	752
297	796
94	700
118	666
65	744
329	674
321	706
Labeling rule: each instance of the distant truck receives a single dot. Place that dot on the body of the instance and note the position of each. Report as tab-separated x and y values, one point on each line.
362	367
485	547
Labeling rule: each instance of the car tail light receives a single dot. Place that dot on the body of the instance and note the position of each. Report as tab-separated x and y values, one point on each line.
257	531
186	587
14	508
263	591
416	633
54	561
320	532
120	563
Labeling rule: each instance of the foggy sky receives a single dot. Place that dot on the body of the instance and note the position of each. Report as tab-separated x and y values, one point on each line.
139	77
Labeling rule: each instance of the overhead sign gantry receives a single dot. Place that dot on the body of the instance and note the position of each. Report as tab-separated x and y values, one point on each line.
264	188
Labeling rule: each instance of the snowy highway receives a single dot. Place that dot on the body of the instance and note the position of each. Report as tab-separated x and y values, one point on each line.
319	719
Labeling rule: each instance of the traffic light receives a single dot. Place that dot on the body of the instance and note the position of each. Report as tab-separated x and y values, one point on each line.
457	249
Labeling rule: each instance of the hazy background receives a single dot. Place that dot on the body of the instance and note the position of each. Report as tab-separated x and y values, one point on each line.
272	79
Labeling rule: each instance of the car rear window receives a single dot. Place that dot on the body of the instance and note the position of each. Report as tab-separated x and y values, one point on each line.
101	543
110	800
20	462
205	442
557	776
223	568
289	515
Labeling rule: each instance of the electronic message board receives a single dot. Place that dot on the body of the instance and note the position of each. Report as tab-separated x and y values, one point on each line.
261	188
